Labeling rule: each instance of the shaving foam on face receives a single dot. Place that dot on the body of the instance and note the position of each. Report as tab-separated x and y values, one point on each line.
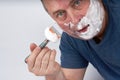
51	35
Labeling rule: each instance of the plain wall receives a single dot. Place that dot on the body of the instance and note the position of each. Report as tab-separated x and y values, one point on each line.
23	22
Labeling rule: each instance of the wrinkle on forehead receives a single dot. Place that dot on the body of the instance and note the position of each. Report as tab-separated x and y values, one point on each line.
63	2
56	4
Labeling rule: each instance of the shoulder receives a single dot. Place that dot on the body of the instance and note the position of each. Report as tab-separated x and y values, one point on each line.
67	39
111	3
70	43
113	10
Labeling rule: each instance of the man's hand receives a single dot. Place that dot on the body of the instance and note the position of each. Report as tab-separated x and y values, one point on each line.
42	62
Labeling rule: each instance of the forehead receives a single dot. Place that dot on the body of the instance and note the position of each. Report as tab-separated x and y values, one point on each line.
53	5
54	2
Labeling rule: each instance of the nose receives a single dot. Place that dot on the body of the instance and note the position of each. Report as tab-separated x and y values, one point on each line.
74	17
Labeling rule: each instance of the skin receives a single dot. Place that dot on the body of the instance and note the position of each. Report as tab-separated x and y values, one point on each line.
66	11
42	62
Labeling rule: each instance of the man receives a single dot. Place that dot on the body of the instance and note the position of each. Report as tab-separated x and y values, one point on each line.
91	34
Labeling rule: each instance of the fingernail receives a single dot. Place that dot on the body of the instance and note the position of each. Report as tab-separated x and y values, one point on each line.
26	59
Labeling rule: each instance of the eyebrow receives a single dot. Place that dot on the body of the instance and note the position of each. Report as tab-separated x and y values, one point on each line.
71	1
57	11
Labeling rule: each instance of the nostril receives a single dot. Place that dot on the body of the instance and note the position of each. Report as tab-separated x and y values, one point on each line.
71	24
66	24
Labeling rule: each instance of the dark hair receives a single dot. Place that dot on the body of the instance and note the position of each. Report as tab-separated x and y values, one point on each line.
43	4
41	0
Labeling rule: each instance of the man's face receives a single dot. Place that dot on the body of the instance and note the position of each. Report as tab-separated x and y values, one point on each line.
66	11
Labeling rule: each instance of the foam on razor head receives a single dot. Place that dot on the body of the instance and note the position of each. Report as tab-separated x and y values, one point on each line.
52	34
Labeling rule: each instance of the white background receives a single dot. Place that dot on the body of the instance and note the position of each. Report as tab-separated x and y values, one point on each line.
23	22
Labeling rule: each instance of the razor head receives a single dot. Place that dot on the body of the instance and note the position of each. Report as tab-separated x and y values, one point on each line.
54	30
52	34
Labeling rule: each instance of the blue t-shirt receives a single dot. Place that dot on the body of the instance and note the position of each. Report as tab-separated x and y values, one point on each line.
105	56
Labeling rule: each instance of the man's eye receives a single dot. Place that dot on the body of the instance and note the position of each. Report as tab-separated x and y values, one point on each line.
60	14
77	2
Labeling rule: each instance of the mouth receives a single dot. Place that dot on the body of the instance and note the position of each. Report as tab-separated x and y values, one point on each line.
84	29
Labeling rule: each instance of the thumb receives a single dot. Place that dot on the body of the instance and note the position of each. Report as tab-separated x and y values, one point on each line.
32	46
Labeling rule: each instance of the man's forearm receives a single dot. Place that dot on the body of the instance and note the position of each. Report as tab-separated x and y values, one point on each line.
59	76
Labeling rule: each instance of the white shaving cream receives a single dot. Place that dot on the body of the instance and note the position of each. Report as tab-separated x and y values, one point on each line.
51	35
93	18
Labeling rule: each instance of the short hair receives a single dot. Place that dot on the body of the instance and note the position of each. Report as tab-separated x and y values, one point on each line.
41	0
43	5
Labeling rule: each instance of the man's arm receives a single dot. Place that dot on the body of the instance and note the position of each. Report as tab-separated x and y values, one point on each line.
59	76
68	74
42	62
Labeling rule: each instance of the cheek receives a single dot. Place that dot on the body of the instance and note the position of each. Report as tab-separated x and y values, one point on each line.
63	27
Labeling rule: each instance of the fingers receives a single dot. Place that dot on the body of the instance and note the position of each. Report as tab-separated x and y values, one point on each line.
44	63
51	64
41	62
42	58
32	46
31	59
52	58
47	64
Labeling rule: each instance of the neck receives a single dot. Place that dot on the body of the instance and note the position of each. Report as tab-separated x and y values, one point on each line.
100	36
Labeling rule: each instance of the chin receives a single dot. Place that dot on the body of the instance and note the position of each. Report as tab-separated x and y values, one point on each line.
86	39
82	38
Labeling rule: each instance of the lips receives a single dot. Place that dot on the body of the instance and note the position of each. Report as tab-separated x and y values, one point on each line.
84	29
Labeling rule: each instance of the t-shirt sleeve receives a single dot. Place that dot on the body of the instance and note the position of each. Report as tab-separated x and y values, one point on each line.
112	3
70	57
